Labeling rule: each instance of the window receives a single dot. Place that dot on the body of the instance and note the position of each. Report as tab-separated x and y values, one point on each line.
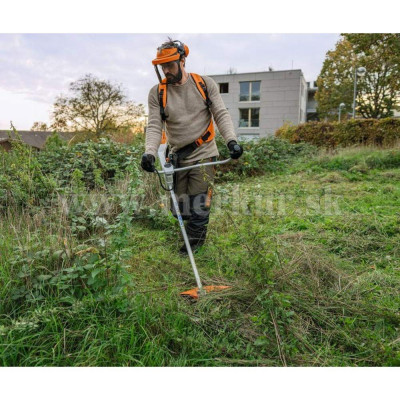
224	87
249	117
249	91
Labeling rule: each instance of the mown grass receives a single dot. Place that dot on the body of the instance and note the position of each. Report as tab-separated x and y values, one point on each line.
312	254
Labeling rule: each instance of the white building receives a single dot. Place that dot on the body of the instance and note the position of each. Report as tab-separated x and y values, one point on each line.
261	102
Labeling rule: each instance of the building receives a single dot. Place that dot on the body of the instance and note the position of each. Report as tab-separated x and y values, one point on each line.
261	102
31	138
311	102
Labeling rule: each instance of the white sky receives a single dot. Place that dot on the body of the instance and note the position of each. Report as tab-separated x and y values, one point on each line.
35	68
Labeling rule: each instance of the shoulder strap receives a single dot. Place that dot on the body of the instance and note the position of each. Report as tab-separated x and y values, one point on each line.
162	93
202	87
162	98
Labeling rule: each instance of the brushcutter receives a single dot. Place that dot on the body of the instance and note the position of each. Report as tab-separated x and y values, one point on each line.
168	171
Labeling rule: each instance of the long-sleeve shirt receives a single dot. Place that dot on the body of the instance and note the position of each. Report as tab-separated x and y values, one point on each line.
188	119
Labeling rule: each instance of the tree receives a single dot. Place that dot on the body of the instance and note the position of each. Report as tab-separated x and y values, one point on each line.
335	81
377	92
95	106
39	126
368	43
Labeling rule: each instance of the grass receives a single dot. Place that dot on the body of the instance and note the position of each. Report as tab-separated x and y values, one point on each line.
312	254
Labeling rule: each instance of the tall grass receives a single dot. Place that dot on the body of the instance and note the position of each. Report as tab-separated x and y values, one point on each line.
92	283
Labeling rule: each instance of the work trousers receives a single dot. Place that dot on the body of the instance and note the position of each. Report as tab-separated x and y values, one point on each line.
193	189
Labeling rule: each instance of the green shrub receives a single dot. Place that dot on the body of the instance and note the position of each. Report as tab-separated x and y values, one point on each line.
260	156
31	178
378	132
91	163
22	181
359	160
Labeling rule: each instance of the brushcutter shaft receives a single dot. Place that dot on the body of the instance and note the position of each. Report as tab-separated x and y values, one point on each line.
186	239
169	170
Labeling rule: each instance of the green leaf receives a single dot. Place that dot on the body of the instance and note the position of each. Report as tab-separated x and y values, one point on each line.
90	281
44	277
261	341
96	272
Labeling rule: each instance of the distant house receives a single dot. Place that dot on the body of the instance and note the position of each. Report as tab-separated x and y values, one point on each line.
261	102
31	138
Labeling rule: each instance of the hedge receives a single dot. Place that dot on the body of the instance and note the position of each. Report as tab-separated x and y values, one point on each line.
380	132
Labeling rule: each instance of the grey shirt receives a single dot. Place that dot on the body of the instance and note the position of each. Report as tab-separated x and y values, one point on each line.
188	118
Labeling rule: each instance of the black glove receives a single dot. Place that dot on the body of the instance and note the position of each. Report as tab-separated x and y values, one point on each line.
147	163
235	149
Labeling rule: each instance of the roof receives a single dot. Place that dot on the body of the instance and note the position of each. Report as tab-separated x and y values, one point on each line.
257	72
33	138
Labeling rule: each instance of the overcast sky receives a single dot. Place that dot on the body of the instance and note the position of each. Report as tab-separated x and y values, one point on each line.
35	68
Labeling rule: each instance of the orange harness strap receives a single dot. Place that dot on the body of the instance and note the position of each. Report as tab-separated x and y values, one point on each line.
209	134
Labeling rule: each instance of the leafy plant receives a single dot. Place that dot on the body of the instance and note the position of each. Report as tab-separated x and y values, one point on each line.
378	132
261	156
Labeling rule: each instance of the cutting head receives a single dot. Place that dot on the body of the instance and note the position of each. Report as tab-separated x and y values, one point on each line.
196	293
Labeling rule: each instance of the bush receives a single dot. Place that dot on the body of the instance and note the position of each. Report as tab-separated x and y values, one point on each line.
31	178
262	155
91	163
22	181
378	132
35	178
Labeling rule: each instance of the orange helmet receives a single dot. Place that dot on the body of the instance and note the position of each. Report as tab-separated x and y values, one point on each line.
171	53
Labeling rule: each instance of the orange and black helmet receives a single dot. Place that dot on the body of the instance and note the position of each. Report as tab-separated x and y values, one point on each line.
171	52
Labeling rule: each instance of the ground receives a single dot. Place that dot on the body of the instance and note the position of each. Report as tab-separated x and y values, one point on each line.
312	254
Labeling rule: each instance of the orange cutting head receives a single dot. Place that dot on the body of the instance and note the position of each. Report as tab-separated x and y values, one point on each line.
194	293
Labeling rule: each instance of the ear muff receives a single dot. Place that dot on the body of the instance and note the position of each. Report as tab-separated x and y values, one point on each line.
183	50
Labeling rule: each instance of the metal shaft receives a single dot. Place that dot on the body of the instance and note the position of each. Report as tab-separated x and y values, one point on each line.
168	171
186	239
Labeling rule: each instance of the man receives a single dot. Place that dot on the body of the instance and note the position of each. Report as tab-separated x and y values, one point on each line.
184	106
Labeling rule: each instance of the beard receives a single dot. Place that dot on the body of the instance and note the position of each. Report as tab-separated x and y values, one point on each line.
171	79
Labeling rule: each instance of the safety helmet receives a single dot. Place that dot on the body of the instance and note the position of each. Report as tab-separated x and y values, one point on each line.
171	52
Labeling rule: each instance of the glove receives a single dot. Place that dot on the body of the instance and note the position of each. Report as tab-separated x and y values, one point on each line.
147	163
235	149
